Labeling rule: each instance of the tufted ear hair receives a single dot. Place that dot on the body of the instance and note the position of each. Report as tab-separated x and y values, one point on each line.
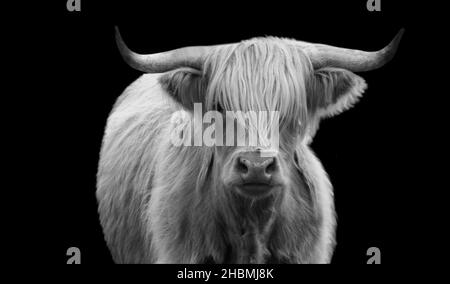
333	90
185	85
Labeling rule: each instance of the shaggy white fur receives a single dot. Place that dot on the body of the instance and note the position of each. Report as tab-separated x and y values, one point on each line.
164	204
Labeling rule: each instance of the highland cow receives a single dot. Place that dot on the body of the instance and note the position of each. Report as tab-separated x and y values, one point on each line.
165	203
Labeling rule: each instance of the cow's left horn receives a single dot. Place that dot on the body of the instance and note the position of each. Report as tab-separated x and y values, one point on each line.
163	61
354	60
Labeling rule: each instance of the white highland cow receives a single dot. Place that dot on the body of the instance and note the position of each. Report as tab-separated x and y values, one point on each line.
166	203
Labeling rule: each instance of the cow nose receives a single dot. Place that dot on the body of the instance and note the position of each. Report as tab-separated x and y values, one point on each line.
254	168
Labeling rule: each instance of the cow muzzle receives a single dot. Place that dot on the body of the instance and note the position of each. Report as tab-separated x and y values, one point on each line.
257	174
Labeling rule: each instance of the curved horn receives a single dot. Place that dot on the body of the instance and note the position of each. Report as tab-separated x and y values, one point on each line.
163	61
354	60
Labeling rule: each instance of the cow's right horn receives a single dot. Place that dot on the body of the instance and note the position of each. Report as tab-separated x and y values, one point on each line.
164	61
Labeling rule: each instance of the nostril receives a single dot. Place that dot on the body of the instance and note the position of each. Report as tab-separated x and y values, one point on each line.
242	165
271	166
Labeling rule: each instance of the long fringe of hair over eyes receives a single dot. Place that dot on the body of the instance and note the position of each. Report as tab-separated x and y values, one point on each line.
260	74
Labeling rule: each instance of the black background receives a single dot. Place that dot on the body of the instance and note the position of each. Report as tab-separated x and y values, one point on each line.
364	150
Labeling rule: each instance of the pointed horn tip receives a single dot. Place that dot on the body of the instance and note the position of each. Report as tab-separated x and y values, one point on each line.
393	45
398	36
388	53
119	40
125	52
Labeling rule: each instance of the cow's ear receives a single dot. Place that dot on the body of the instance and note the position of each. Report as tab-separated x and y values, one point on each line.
185	85
333	90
